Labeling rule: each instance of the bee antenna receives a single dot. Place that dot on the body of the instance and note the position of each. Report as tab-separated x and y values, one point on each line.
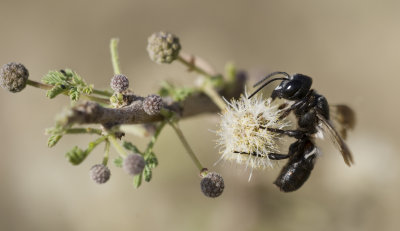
265	84
270	75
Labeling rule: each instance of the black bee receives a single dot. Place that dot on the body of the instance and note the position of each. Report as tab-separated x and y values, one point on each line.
312	113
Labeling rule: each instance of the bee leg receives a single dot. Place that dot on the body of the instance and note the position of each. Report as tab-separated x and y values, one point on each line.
294	106
276	156
271	156
283	106
291	133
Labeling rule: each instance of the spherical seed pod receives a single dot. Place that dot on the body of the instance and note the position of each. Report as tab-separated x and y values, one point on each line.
119	83
163	47
13	77
212	185
153	104
100	173
134	164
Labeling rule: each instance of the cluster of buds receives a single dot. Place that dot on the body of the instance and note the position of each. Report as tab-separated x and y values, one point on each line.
163	47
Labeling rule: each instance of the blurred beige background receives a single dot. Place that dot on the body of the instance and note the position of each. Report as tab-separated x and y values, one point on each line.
350	48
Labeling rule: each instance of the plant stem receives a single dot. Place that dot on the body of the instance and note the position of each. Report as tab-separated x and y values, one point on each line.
102	92
93	144
89	97
121	151
83	130
192	66
96	99
153	140
208	89
106	153
214	96
187	146
39	85
114	55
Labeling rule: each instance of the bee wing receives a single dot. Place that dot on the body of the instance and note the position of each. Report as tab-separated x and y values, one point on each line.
336	139
343	118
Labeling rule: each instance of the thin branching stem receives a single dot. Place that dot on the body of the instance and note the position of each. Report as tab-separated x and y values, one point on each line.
208	89
106	153
187	146
83	131
191	66
114	55
88	97
117	146
39	85
214	96
102	92
153	140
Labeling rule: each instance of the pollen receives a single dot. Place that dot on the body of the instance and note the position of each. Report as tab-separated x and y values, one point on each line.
242	133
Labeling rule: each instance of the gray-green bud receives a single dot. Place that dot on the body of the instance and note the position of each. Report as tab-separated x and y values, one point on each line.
100	173
13	77
119	83
153	104
163	47
134	164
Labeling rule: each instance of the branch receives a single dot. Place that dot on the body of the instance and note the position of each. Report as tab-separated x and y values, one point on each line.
196	104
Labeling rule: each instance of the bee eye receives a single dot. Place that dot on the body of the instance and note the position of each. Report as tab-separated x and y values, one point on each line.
291	88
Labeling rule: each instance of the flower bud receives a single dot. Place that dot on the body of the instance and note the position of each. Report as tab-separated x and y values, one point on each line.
100	173
119	83
13	77
163	47
134	164
212	185
152	104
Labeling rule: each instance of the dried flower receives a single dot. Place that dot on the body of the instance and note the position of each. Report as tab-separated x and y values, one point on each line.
100	173
243	136
13	77
212	185
163	47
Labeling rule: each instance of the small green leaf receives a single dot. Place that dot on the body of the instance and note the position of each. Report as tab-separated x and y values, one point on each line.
55	77
74	94
76	155
129	146
151	160
137	181
56	90
118	162
53	140
147	174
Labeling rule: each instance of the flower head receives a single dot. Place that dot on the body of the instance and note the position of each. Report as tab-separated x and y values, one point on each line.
13	77
163	47
152	104
243	135
212	185
134	164
100	173
119	83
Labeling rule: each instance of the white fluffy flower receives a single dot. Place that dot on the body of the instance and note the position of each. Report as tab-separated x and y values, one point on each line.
242	133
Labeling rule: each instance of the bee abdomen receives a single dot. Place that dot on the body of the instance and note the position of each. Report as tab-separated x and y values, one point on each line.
293	176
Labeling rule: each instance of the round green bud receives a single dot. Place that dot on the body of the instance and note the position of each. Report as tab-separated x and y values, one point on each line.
100	173
212	185
13	77
163	47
